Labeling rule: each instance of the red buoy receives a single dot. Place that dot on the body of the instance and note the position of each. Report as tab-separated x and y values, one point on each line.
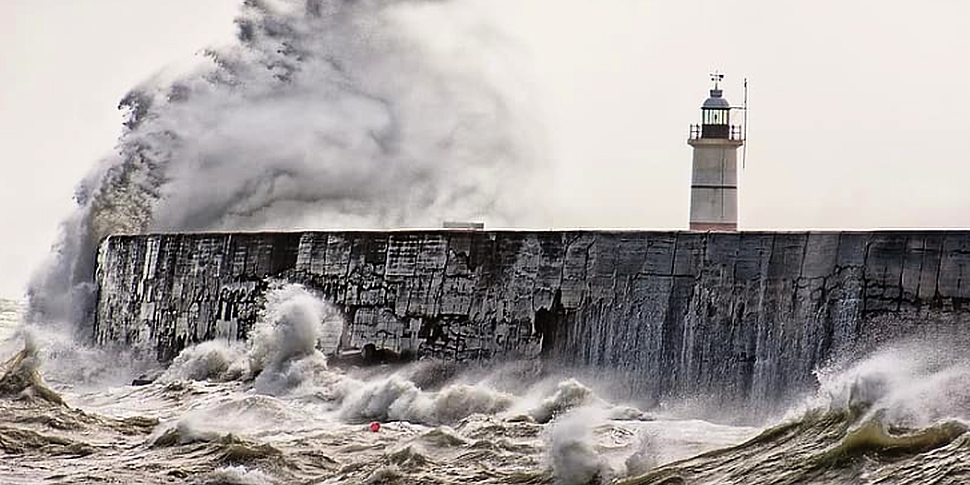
375	427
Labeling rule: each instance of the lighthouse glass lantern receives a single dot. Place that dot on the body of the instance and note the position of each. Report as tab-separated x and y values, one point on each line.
716	116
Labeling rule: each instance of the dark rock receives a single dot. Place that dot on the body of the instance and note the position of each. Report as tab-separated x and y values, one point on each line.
142	380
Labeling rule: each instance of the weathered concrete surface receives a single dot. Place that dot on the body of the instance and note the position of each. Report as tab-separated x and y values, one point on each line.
714	184
744	316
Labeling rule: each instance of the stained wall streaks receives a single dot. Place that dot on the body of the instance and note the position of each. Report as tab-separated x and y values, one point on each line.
743	316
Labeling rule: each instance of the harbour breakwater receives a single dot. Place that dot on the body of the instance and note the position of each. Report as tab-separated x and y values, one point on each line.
743	316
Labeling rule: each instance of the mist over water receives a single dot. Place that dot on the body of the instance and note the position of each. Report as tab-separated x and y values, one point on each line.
11	314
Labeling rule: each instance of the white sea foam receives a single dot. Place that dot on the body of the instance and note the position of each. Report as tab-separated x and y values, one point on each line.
912	383
572	455
67	362
282	352
385	474
213	360
568	394
395	398
239	475
644	458
285	346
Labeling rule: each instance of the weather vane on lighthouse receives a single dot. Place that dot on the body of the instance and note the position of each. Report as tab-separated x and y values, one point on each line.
717	77
714	177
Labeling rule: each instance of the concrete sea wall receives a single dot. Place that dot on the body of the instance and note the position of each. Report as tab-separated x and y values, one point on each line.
744	316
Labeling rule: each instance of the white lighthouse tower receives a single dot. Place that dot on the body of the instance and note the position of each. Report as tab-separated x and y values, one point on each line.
714	180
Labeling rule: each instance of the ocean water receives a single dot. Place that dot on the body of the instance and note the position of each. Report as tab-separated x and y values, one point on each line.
273	411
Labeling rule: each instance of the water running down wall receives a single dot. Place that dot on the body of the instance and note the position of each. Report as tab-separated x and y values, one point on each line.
743	316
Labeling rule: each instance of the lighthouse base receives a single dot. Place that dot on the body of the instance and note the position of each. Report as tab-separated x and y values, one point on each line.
713	226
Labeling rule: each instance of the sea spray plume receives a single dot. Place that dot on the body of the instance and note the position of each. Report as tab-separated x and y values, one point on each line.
282	353
551	398
644	458
896	416
19	377
328	113
574	460
911	383
66	363
395	398
296	321
285	350
216	360
568	394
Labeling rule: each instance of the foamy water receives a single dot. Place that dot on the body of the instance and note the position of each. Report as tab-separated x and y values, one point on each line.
272	411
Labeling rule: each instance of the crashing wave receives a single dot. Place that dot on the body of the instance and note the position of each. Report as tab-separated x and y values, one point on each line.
398	399
898	416
281	354
20	378
322	113
568	394
574	459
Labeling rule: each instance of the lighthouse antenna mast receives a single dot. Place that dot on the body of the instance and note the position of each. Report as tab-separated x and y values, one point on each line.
744	132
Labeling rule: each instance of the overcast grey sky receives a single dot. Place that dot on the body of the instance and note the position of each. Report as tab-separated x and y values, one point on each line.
859	110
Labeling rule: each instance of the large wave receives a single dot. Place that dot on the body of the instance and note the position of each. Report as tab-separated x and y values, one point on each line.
323	114
898	415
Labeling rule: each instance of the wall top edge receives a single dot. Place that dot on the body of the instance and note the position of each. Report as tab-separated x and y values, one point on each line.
547	231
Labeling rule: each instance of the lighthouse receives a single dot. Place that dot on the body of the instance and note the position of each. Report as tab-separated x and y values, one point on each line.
714	177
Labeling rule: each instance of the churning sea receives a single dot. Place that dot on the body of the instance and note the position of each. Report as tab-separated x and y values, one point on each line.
272	411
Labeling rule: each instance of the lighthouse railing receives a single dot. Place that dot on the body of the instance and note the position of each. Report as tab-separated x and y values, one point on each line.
732	132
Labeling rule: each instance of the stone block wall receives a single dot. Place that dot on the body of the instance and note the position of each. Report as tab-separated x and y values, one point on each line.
745	316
